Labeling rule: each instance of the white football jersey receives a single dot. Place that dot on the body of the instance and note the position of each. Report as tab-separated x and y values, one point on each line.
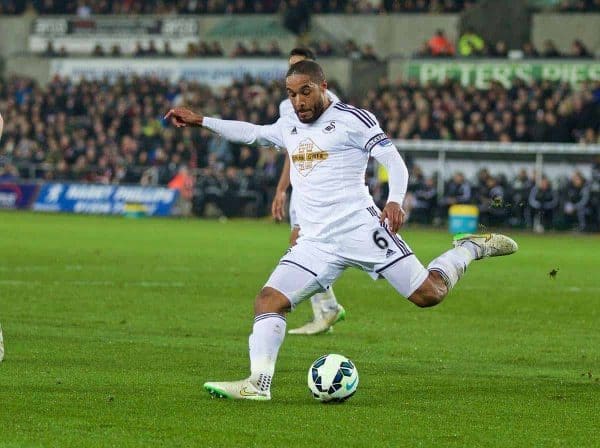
328	162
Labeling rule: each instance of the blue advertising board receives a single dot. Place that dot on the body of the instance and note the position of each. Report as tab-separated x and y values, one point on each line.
104	199
13	195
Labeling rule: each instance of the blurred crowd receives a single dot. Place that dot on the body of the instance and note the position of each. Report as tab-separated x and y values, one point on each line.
571	203
242	49
536	112
86	8
114	133
471	44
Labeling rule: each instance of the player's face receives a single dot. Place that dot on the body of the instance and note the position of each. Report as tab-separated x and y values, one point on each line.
307	97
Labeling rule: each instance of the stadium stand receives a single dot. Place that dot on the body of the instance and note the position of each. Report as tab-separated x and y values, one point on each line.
95	132
89	7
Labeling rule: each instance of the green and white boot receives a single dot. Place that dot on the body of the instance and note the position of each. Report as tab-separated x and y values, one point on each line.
488	244
237	390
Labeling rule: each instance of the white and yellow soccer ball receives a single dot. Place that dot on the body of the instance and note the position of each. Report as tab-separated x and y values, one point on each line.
332	378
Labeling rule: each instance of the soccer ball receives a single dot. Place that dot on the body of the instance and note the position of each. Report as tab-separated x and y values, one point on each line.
332	378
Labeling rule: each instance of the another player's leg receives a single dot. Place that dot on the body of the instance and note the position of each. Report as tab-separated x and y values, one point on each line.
288	285
326	310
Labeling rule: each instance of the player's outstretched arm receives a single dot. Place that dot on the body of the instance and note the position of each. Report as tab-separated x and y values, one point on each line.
234	131
1	125
278	206
389	157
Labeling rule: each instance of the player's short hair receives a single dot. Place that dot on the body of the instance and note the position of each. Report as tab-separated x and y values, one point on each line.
307	53
309	68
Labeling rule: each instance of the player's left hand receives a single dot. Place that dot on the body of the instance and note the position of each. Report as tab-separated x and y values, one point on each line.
394	214
278	206
182	117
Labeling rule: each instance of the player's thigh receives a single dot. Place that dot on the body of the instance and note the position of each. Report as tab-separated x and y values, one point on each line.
406	274
304	271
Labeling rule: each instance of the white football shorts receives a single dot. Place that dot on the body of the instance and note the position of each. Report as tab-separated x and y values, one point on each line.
312	266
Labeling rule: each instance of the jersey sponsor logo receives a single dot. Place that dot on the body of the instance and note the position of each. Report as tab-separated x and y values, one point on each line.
379	139
330	128
389	253
307	156
294	131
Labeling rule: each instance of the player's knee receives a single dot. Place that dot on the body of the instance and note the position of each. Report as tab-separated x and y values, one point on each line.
269	300
430	293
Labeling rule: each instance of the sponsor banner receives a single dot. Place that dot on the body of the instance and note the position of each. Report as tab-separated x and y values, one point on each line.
110	26
215	72
14	195
104	199
481	74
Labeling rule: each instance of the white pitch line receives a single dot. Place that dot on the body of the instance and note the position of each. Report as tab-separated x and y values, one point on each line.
143	284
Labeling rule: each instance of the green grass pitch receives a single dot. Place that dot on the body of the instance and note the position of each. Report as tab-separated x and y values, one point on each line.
112	325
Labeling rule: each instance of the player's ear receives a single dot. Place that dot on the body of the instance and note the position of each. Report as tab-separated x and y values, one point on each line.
324	85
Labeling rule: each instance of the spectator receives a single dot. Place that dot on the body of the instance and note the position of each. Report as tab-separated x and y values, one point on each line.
500	50
83	9
98	51
115	51
240	51
139	50
471	44
579	50
550	50
351	49
152	50
543	200
296	16
324	49
492	207
521	187
575	198
216	49
368	54
50	52
457	191
440	45
529	51
167	49
255	49
274	50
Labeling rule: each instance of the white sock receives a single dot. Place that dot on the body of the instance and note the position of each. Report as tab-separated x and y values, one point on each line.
264	342
451	265
323	301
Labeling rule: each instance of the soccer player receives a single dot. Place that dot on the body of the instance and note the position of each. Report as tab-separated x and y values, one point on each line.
326	310
329	144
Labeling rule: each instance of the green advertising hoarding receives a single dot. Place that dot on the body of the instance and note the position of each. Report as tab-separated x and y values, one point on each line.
482	73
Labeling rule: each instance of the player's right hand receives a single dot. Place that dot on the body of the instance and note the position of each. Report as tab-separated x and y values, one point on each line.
182	117
278	205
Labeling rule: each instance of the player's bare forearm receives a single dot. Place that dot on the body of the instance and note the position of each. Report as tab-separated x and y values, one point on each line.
278	205
1	125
